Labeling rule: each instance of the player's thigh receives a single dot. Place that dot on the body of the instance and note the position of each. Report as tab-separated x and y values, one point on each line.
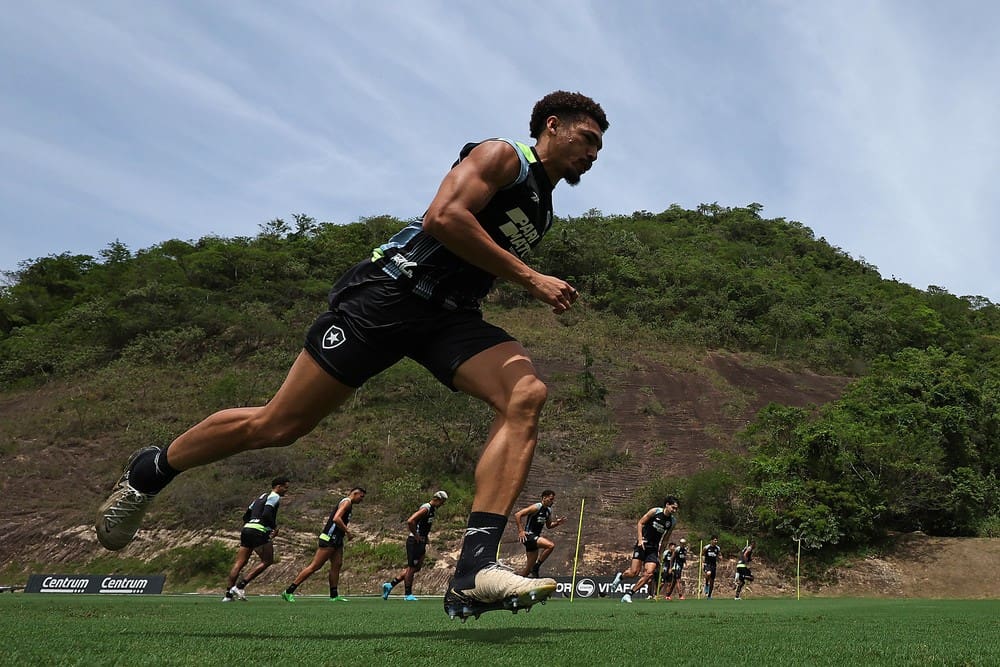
308	394
495	374
266	552
546	543
242	556
320	558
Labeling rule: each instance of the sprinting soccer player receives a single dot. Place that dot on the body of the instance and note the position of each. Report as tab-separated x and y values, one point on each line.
653	527
710	561
331	547
419	296
530	522
675	568
419	523
743	573
260	525
663	570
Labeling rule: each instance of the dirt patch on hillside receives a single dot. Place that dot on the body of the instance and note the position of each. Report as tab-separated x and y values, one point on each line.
921	566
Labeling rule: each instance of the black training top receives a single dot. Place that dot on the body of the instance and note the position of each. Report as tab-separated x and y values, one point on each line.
331	529
538	520
262	514
654	529
425	521
516	218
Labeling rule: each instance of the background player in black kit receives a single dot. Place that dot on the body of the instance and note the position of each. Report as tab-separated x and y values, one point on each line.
330	546
710	562
743	573
419	523
260	524
419	296
675	569
653	527
530	522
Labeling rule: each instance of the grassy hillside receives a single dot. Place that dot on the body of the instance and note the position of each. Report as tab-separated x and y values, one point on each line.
867	401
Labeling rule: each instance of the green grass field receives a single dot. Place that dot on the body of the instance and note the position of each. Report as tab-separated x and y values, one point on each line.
200	630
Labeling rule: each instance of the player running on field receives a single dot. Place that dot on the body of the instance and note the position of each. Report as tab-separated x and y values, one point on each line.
743	573
260	525
530	522
419	295
652	528
419	523
331	546
710	562
674	569
663	571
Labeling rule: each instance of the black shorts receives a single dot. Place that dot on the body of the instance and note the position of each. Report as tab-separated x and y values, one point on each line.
415	551
646	554
710	569
743	574
530	543
251	538
374	321
336	540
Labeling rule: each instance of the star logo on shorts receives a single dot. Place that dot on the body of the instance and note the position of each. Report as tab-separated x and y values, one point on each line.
333	337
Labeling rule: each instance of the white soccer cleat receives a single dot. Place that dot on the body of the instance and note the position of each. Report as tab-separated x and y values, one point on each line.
119	517
238	594
627	598
617	580
496	587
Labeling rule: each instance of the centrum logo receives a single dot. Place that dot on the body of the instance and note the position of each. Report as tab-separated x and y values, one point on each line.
63	585
123	585
585	588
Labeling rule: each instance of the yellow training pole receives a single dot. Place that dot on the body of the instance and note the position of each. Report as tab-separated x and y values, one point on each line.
576	555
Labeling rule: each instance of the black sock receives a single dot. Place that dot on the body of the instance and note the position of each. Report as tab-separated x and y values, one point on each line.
150	472
291	588
395	582
482	540
536	568
409	590
333	591
241	584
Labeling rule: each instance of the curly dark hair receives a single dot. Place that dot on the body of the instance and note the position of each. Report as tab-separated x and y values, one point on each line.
565	105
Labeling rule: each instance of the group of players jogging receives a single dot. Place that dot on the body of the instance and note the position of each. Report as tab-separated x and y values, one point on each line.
650	567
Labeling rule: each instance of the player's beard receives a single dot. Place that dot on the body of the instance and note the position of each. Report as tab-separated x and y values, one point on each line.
573	178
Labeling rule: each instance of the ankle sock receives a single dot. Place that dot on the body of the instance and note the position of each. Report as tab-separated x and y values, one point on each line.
482	539
150	472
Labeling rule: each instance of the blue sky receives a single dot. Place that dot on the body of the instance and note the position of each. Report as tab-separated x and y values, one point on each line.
873	123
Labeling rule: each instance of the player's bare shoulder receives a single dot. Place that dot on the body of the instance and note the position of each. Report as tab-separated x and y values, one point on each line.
495	161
